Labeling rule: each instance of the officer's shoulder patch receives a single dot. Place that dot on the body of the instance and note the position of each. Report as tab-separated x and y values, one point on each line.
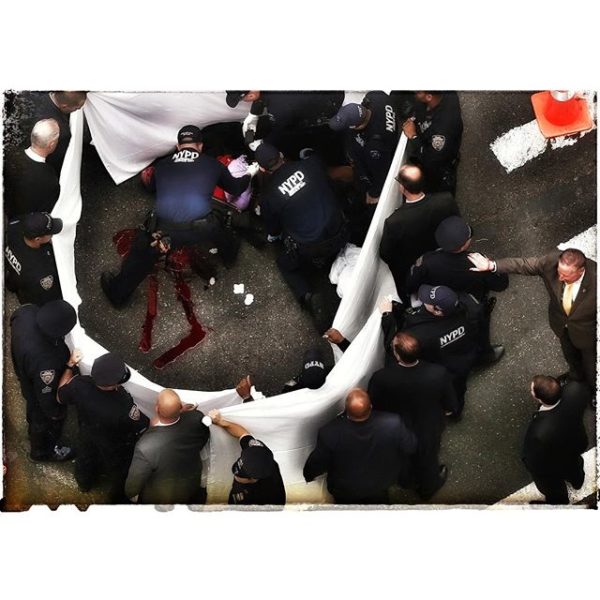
254	442
438	142
48	376
46	282
134	413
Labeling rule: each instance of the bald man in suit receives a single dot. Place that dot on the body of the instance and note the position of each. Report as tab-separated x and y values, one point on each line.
570	279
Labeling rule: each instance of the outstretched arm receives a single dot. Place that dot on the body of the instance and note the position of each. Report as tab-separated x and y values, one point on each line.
233	429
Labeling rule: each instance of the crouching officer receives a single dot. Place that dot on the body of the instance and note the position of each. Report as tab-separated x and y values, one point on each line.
447	327
182	217
299	206
109	424
29	262
40	358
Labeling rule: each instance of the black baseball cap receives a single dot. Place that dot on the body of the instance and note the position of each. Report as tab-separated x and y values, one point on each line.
256	462
313	369
56	318
439	296
349	115
234	98
40	224
267	155
110	369
452	233
189	134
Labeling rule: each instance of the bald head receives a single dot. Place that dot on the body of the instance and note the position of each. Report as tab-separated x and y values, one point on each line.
410	177
168	406
358	405
44	136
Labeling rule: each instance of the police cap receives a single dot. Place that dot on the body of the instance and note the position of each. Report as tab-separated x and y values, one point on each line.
349	115
56	318
234	98
109	369
256	462
189	134
40	224
267	155
452	233
313	370
440	296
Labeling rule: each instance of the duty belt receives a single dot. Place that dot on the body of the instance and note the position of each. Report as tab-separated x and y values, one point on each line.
182	225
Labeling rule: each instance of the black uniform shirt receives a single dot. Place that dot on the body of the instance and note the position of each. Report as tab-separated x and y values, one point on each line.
39	361
30	272
29	186
448	340
372	149
299	201
439	132
185	182
453	270
269	490
111	415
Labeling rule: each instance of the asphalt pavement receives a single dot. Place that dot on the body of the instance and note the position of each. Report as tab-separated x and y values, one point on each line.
526	212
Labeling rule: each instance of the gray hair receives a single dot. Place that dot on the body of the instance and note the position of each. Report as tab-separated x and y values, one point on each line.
44	133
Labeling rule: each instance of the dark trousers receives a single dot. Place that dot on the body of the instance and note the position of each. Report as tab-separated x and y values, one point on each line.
97	455
142	257
582	363
426	467
553	486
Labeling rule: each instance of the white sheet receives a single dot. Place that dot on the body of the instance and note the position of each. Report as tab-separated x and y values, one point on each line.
288	423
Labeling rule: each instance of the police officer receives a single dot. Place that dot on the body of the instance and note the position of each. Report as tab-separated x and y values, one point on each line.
109	423
29	265
450	266
434	133
291	121
40	358
371	140
182	215
299	206
447	328
256	475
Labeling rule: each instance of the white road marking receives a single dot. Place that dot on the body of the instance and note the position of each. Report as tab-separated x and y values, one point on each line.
530	492
584	241
521	144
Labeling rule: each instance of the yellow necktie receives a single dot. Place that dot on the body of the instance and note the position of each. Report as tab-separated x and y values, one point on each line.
567	301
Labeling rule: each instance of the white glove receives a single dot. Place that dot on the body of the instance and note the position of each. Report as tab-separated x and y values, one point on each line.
249	123
253	169
254	145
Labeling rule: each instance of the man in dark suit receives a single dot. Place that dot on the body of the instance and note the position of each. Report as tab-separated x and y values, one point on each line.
166	466
409	232
570	279
362	451
556	437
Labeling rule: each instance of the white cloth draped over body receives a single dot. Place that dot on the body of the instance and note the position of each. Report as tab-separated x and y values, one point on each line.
129	131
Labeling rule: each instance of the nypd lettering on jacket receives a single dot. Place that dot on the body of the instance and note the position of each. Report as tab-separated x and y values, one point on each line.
292	184
185	155
13	261
454	335
390	119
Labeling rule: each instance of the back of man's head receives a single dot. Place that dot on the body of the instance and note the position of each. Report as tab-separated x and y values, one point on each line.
546	389
411	179
168	405
69	102
406	347
571	257
358	405
44	135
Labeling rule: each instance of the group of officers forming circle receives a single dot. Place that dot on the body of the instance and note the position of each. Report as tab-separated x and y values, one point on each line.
317	167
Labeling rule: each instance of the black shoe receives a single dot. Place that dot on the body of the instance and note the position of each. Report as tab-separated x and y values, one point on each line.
442	477
493	355
490	304
578	483
106	279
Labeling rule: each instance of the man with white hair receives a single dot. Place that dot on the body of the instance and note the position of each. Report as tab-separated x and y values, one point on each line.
31	184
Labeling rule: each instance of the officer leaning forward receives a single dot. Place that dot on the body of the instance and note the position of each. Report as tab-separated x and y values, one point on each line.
109	424
29	267
40	358
434	133
299	206
182	216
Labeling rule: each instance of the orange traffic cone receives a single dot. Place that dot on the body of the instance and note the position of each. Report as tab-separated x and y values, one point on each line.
561	113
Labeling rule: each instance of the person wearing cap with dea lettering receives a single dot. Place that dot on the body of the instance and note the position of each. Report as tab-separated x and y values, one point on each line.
40	358
182	215
256	475
29	265
109	423
450	266
299	206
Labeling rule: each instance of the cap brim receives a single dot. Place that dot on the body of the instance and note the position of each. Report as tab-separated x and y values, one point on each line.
424	294
233	100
